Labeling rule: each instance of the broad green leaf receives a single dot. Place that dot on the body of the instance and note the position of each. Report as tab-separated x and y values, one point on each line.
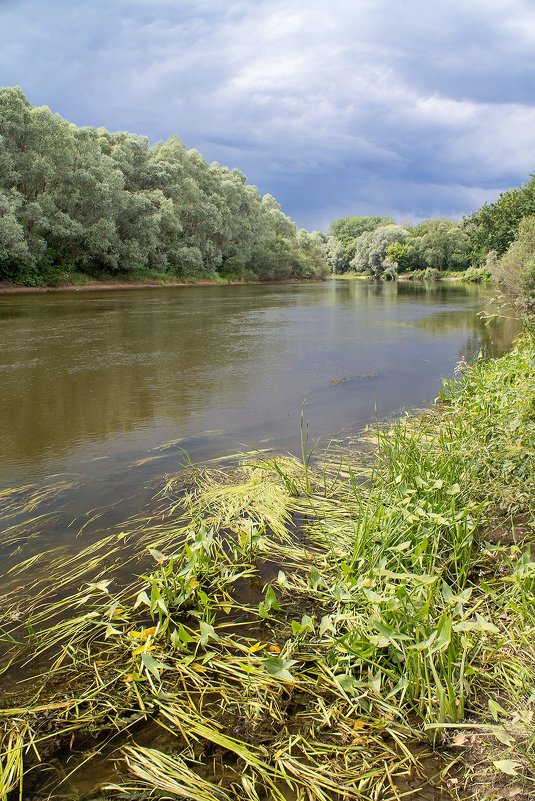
207	633
315	578
495	709
421	646
158	556
279	668
150	664
403	546
486	625
270	599
346	682
142	598
180	637
507	766
282	581
504	737
444	632
263	610
327	624
307	623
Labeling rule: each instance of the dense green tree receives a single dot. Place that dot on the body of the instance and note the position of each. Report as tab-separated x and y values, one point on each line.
515	270
348	229
494	226
371	249
437	244
334	255
87	200
398	254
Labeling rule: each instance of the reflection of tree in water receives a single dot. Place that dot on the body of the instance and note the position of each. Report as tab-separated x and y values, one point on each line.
490	336
349	291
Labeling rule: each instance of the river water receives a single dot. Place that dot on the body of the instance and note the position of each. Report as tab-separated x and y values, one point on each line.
108	390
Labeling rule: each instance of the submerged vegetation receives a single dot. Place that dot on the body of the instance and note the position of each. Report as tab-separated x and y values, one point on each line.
298	629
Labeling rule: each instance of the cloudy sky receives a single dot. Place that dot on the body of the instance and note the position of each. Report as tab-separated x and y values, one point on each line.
413	108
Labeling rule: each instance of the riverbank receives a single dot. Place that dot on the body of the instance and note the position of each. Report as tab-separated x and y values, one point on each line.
355	626
7	288
86	284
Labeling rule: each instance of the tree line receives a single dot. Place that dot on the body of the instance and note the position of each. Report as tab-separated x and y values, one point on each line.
87	201
497	241
381	247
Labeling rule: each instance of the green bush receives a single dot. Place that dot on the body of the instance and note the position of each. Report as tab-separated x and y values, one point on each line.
477	275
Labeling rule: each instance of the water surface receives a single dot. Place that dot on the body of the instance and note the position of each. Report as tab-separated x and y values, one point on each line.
110	389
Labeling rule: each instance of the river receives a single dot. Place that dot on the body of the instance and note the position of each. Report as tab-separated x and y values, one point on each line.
109	390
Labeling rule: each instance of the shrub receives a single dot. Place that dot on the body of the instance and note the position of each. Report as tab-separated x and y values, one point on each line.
477	275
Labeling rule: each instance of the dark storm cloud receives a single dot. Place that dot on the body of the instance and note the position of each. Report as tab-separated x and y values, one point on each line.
411	109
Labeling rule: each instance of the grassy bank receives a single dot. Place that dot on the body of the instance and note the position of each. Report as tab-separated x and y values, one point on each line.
352	627
79	281
85	283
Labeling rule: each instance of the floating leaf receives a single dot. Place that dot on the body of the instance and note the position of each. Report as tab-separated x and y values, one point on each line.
142	598
102	586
